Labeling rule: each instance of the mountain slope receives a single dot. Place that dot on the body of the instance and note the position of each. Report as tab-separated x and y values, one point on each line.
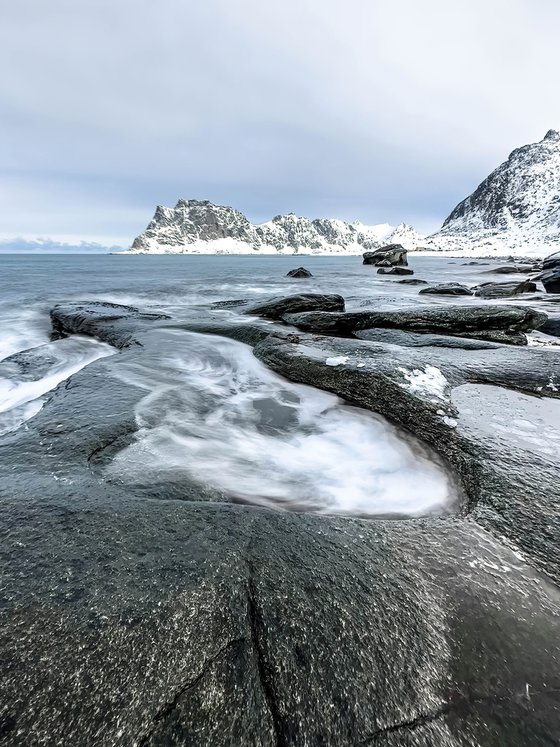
200	227
516	206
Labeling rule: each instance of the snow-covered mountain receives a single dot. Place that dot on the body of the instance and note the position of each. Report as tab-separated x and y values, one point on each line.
200	227
514	210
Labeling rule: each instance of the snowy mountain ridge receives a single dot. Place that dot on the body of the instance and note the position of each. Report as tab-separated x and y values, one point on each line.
200	227
516	208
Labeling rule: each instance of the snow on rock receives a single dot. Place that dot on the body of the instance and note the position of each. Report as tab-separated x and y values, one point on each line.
515	210
339	360
200	227
429	382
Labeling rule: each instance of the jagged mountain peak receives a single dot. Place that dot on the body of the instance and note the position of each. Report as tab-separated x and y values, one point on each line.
518	203
200	226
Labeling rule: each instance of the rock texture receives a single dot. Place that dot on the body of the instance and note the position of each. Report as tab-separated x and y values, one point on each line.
182	621
504	290
390	255
300	272
199	226
447	289
496	323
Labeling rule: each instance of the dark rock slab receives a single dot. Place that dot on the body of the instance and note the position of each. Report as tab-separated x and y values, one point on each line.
423	340
395	271
413	281
300	272
504	290
275	308
110	322
551	326
551	262
511	269
392	254
497	323
447	289
551	280
125	620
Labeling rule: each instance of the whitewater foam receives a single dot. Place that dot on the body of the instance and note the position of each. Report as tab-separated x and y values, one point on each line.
214	414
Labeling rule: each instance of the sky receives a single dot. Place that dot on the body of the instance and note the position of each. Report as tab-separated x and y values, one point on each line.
371	110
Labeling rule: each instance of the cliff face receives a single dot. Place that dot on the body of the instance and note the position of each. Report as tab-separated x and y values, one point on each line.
199	226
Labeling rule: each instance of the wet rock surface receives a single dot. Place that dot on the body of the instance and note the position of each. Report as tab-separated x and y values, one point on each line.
300	272
395	271
277	307
504	290
447	289
495	323
387	256
191	620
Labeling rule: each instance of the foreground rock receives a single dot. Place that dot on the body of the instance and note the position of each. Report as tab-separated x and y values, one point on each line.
275	308
551	280
300	272
552	262
110	322
496	323
447	289
390	255
504	290
128	620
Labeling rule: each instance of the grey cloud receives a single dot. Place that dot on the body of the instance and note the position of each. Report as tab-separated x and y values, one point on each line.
380	111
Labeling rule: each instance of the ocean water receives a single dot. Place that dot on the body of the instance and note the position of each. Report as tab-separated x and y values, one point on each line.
211	411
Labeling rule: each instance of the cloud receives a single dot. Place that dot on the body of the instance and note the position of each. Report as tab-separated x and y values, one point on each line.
379	110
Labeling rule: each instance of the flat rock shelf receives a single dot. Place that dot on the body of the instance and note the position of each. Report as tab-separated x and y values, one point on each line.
155	592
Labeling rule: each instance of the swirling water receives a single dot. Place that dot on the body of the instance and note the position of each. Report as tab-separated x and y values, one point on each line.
210	410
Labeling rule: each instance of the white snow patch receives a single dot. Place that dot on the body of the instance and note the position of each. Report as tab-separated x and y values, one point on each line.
337	360
430	381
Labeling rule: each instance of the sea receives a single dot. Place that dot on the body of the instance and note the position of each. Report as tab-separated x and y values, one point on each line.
209	410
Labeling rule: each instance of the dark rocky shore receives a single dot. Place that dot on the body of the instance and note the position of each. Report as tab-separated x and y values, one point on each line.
174	616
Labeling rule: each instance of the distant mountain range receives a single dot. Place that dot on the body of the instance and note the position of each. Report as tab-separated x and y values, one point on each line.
200	227
515	210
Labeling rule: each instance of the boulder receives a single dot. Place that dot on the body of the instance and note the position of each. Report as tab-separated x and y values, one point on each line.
551	262
551	326
504	290
395	271
300	272
511	269
551	280
447	289
275	308
109	322
412	281
394	254
505	324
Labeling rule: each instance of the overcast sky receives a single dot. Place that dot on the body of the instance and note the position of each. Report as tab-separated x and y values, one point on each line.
371	110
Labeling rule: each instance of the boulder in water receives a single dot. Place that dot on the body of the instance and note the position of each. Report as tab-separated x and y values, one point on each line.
395	271
504	290
550	279
447	289
393	254
300	272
